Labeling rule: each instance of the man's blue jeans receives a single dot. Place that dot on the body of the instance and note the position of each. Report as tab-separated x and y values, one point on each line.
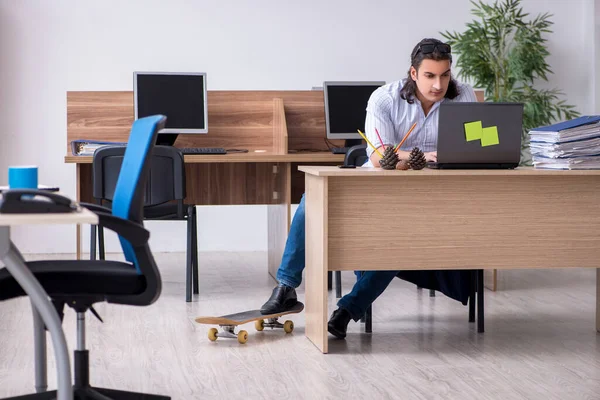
367	288
294	255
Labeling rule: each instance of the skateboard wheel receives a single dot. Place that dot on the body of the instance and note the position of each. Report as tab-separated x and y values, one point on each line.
212	334
259	325
242	337
288	326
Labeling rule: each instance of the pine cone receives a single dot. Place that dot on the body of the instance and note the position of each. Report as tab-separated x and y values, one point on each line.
390	158
416	159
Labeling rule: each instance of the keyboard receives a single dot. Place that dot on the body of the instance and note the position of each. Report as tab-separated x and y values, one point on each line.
203	150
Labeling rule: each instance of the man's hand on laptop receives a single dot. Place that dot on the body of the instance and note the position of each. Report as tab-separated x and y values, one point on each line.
431	156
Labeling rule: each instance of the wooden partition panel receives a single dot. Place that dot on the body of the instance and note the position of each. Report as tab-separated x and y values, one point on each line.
98	115
280	135
236	119
305	114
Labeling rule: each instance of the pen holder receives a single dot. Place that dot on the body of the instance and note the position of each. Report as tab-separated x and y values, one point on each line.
23	177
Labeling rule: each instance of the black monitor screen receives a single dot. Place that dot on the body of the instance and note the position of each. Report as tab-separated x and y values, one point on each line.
346	108
180	97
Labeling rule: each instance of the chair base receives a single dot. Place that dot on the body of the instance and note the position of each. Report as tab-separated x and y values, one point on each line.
91	393
82	389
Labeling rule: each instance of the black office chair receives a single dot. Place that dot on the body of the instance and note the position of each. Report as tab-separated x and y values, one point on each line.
81	283
357	156
163	199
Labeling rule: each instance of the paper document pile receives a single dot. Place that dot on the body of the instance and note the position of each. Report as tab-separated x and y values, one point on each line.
573	144
88	147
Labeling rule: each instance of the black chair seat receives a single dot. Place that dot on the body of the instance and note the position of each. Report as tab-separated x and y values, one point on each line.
73	277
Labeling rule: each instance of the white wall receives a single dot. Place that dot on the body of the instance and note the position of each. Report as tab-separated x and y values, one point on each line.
49	47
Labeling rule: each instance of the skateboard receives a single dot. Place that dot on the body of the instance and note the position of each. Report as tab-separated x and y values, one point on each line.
230	321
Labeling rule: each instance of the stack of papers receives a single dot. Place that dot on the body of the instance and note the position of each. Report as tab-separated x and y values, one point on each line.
573	144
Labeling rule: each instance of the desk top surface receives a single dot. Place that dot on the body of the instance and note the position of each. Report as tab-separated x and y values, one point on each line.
83	216
522	171
307	157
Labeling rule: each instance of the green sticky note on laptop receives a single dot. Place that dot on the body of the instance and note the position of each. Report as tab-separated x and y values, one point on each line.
489	136
473	130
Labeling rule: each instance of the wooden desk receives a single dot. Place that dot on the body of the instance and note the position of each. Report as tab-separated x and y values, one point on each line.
44	313
484	219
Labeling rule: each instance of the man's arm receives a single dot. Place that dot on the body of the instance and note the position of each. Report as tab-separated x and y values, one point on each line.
379	120
402	155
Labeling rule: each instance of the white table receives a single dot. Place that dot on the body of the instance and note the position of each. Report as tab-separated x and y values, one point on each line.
43	310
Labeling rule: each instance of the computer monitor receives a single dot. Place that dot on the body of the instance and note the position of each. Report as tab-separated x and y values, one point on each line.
180	96
346	109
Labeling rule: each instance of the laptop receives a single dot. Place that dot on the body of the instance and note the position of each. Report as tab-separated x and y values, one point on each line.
479	135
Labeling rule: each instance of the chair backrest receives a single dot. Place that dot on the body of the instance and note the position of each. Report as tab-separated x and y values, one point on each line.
356	155
166	179
129	192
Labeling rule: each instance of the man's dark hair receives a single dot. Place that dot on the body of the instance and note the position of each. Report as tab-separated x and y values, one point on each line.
428	49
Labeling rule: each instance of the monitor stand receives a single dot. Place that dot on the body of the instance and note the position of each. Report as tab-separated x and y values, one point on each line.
166	139
352	142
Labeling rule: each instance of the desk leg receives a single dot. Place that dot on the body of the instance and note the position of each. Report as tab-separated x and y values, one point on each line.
78	242
16	266
78	176
316	261
278	217
40	359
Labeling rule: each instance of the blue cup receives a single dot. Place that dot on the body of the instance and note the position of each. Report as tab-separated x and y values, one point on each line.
25	177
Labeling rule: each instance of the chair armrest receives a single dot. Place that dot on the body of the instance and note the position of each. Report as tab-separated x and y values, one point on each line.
96	207
133	232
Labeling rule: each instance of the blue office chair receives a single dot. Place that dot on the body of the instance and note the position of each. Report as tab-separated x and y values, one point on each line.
163	199
81	283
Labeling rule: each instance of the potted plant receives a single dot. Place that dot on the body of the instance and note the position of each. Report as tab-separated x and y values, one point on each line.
505	54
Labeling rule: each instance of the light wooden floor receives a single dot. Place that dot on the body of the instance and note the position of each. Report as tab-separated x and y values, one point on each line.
540	342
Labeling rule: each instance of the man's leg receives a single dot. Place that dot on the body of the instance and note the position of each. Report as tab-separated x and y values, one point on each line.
353	305
289	274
